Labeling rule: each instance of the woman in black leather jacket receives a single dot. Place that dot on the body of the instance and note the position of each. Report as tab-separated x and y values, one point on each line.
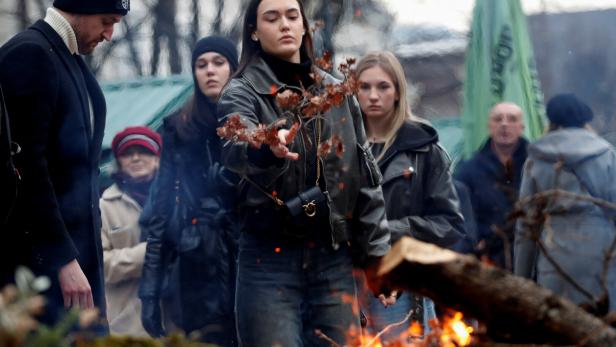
189	262
295	279
420	198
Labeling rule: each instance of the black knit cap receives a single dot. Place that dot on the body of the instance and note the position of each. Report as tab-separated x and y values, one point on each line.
216	44
568	111
93	6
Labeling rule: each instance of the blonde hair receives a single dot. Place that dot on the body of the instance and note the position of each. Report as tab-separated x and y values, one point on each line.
402	111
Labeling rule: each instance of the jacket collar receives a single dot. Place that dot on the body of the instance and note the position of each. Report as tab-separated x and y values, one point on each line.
412	136
263	80
488	157
115	193
61	26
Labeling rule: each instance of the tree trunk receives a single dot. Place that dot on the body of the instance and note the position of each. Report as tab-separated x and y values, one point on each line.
195	26
22	14
134	55
165	28
217	24
175	61
512	307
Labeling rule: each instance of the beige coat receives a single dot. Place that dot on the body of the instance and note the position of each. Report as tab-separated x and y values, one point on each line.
123	258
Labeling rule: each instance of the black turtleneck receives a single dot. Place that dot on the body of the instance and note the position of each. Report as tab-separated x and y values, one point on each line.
291	74
296	75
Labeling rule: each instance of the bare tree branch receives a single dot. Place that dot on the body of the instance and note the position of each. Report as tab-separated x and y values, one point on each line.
217	25
42	7
22	14
109	47
130	40
195	25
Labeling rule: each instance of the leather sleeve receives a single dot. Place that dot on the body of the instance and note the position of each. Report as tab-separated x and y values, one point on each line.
154	220
441	223
370	220
239	99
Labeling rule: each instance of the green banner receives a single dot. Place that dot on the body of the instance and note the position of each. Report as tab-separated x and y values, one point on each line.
500	66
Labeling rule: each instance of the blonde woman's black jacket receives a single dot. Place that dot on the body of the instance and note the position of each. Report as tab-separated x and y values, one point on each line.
351	179
420	197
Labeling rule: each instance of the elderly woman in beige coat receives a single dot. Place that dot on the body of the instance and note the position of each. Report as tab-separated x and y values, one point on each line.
137	152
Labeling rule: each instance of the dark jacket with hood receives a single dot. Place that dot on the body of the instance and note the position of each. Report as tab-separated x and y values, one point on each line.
419	194
351	177
56	218
494	190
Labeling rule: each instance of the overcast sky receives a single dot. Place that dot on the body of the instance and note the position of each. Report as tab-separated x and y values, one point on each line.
457	13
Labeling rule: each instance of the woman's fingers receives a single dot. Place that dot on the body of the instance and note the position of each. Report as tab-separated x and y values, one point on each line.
281	150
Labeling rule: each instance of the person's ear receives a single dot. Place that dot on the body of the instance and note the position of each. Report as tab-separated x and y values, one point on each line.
254	37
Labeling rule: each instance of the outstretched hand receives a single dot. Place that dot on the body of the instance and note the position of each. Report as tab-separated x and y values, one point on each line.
281	150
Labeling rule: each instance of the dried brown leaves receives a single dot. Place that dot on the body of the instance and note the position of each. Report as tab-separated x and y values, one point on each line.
312	102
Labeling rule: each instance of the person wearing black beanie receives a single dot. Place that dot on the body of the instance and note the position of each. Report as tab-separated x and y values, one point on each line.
567	111
120	7
57	114
216	44
201	298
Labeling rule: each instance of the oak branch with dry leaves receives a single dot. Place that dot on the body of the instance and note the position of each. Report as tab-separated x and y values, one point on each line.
300	107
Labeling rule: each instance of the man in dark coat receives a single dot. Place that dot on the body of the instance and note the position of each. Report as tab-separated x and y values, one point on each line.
57	116
493	177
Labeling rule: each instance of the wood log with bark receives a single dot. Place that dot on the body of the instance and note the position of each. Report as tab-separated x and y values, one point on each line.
514	309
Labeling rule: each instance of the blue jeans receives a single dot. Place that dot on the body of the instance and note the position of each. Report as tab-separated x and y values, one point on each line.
380	316
287	289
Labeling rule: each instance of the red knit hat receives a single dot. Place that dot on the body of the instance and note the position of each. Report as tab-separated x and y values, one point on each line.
136	136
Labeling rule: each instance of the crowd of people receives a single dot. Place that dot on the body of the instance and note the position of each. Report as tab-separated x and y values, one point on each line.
253	244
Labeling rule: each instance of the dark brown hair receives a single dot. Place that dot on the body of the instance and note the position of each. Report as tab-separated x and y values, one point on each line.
250	48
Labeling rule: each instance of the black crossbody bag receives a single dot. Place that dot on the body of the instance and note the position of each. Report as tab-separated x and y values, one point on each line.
308	208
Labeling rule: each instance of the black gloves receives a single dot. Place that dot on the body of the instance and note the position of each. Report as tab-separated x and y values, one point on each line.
151	317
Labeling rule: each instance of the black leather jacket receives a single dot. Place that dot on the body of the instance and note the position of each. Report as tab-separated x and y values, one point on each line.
352	179
186	164
419	194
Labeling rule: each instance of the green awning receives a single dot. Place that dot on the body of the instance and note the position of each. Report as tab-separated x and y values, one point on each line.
451	136
139	102
143	102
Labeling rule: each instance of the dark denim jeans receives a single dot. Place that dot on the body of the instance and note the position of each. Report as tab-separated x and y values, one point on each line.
287	289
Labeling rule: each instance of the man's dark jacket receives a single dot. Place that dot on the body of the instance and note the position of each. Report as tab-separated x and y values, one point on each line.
56	218
419	194
493	190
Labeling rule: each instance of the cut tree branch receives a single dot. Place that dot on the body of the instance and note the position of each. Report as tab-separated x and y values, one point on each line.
514	309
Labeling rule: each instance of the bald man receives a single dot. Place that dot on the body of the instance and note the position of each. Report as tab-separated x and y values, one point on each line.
493	176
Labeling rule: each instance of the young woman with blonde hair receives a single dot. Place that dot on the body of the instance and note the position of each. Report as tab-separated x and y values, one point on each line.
420	199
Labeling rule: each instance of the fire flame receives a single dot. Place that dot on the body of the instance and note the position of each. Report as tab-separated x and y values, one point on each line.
456	332
451	331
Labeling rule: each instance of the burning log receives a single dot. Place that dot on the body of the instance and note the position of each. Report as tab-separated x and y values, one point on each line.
513	308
